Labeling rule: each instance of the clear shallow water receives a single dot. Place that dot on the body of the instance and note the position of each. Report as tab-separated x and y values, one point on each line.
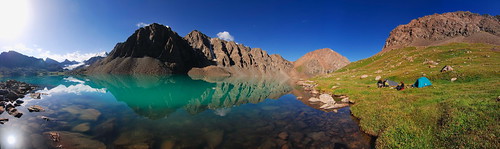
175	112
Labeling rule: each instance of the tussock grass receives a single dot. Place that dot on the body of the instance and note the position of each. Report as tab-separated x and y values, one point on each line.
459	114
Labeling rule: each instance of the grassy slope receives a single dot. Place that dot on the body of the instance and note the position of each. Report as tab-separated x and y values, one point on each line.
460	114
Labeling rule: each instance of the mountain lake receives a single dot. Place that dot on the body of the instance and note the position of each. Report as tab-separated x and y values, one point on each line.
111	111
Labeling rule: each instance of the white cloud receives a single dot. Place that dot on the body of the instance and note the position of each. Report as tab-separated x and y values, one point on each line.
225	36
141	24
41	53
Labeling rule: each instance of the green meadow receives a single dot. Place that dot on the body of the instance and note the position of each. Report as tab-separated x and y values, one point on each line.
461	114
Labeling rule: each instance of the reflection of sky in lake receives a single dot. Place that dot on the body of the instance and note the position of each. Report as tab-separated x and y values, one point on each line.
125	111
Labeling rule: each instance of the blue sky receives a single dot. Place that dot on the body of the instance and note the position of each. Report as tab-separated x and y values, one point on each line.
354	28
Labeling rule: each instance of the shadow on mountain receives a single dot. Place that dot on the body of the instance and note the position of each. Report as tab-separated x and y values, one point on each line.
156	97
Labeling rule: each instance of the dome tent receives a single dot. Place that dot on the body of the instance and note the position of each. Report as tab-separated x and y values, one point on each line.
422	82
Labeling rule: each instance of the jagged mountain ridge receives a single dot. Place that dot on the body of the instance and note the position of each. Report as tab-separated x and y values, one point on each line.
236	58
156	49
439	29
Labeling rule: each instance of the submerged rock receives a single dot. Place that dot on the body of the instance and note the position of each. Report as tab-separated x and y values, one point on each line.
167	144
64	139
283	135
214	138
81	127
89	114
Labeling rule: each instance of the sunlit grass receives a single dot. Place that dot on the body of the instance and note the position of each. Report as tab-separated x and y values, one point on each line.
460	114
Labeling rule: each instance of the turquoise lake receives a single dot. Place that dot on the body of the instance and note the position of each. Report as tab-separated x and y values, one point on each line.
175	112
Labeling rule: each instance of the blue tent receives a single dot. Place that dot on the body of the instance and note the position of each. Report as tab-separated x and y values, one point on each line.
422	82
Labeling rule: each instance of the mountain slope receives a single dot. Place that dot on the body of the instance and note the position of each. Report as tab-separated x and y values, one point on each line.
439	29
321	61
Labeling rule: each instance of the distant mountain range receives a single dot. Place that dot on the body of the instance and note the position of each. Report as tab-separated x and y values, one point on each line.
157	49
15	63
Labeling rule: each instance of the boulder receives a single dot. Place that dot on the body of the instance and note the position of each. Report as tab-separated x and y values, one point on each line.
35	108
446	68
35	95
326	98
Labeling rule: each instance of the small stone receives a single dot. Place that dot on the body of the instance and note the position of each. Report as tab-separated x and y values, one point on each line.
345	99
314	92
334	87
378	78
363	76
313	99
453	79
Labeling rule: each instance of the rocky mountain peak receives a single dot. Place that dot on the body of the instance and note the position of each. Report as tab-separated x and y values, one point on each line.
437	29
319	61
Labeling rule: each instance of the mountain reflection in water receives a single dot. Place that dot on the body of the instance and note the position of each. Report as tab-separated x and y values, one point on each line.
155	97
175	111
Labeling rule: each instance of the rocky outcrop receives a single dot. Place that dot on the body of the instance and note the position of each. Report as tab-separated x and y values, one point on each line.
318	62
156	49
445	28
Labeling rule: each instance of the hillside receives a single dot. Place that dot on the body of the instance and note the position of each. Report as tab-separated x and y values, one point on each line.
449	114
439	29
317	62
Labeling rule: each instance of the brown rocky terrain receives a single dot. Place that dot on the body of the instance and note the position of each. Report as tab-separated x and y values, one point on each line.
438	29
318	62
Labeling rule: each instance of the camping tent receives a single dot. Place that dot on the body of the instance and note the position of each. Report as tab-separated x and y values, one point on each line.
422	82
392	83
